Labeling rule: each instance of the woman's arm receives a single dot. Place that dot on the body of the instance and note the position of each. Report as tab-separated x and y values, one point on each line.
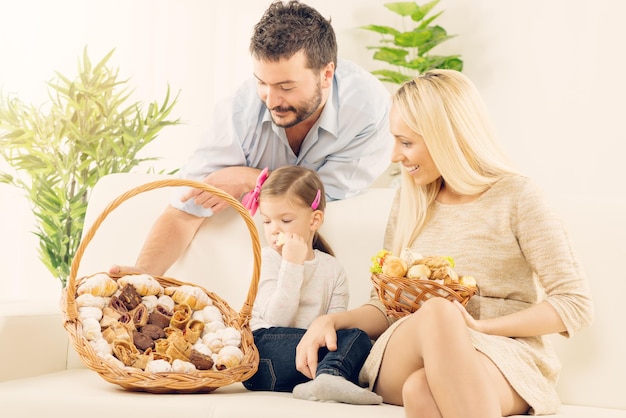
541	319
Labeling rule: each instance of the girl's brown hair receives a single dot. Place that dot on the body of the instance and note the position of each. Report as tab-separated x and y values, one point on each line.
301	186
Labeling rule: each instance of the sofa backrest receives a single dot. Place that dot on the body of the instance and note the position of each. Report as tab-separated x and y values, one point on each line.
220	256
219	259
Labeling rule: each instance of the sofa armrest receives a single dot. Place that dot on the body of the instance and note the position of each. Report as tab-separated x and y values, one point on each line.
33	340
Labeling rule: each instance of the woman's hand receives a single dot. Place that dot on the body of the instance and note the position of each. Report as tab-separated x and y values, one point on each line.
469	319
321	333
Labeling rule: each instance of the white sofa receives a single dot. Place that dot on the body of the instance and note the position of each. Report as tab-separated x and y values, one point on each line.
41	375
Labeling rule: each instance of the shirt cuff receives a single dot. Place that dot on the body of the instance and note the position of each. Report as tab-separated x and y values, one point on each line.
189	206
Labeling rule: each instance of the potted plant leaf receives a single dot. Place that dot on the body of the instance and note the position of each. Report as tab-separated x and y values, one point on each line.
58	152
409	50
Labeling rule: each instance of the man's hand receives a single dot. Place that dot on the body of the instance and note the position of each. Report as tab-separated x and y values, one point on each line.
233	180
321	333
121	270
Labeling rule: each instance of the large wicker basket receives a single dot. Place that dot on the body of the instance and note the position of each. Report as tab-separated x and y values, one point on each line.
403	296
170	382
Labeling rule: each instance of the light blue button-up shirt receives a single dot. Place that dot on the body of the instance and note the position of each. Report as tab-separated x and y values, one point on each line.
349	146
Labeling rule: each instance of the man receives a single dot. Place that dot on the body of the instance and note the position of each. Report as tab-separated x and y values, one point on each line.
302	107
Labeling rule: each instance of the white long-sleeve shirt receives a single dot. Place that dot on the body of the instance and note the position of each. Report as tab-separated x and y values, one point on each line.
293	295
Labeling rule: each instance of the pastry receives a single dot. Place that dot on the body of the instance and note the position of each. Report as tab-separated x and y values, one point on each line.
434	262
89	312
153	331
142	341
418	272
166	302
129	297
200	360
150	302
230	336
139	315
117	304
280	239
446	274
98	285
181	315
229	356
158	366
193	330
144	284
109	317
87	299
181	366
160	317
394	266
91	329
117	331
193	296
125	351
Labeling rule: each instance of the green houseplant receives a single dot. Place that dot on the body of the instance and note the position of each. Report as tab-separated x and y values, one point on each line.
409	50
57	153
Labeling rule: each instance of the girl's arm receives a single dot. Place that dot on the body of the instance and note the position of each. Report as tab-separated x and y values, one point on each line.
278	295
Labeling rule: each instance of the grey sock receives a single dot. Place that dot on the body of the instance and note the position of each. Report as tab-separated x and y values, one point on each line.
327	387
303	391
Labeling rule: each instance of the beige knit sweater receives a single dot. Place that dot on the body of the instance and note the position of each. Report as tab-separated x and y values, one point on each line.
520	254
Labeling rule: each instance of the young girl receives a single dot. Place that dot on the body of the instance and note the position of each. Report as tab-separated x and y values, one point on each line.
460	197
301	280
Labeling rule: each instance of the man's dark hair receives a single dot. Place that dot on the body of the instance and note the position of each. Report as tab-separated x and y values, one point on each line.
287	28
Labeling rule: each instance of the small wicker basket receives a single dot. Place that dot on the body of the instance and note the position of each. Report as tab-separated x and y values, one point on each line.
202	381
403	296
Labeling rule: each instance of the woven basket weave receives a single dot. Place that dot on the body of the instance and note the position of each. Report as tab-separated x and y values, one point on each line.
403	296
171	382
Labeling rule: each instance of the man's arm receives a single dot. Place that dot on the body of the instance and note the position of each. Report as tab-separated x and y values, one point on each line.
236	181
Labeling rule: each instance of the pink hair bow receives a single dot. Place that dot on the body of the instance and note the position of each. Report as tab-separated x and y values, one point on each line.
251	199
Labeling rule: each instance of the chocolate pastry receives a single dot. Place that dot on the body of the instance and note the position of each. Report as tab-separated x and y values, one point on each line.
140	315
129	297
201	361
117	304
160	317
153	331
142	341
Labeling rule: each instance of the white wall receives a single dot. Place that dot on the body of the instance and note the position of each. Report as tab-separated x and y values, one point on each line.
550	71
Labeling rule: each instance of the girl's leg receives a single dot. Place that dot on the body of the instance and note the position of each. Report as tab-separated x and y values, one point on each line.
277	366
431	367
337	373
353	347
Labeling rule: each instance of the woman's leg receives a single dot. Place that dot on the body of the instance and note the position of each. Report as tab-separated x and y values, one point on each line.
431	367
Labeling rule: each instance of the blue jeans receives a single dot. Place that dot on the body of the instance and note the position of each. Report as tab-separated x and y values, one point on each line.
277	351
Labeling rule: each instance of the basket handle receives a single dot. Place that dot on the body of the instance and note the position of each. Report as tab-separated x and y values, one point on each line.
246	310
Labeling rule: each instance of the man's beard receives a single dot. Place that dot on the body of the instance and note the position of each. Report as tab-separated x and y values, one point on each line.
303	112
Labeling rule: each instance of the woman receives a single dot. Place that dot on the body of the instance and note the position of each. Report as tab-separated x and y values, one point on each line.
460	197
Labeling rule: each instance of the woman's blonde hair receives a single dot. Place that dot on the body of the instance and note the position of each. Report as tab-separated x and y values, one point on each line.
445	108
300	186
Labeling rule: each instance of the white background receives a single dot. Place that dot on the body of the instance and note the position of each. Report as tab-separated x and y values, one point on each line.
551	72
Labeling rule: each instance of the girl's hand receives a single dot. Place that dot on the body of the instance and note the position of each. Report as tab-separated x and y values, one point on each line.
469	319
295	249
